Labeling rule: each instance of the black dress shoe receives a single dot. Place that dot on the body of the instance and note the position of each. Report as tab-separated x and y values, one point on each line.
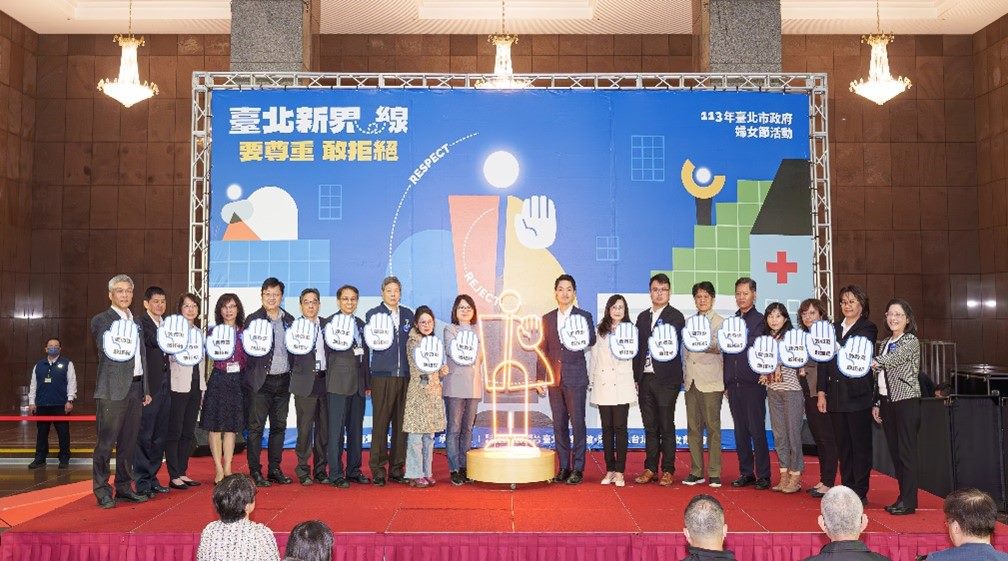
279	477
158	488
359	478
817	494
106	502
36	464
399	479
743	481
64	465
562	476
131	497
762	484
379	481
323	479
259	480
575	477
178	486
341	483
902	510
191	482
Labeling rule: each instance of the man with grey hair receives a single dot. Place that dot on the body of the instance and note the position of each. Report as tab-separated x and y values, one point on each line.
705	529
843	519
120	393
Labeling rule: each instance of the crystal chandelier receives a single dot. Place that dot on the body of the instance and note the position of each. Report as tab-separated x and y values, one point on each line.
880	86
127	88
503	76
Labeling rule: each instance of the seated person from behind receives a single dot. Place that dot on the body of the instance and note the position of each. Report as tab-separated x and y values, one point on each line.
970	515
705	529
309	541
843	519
234	536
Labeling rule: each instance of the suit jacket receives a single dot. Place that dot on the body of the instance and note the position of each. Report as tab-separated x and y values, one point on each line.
843	394
736	367
347	373
157	360
303	371
901	368
667	373
569	367
257	368
114	378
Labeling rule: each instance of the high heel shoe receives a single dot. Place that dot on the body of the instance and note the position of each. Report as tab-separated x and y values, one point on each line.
178	486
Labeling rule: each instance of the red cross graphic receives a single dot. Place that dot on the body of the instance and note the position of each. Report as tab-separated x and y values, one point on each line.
782	267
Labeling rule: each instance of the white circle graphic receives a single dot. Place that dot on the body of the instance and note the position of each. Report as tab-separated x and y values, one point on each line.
501	169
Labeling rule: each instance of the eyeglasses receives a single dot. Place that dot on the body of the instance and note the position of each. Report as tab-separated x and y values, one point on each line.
660	290
895	315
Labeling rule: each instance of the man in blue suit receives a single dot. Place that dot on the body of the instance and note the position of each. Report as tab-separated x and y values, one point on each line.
568	394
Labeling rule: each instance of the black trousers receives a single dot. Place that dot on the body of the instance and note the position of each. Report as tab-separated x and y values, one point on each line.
312	435
747	403
62	433
822	433
346	430
151	439
853	435
271	401
184	409
657	406
388	403
614	435
900	423
118	422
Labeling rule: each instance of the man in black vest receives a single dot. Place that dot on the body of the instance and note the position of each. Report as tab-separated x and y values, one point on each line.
51	393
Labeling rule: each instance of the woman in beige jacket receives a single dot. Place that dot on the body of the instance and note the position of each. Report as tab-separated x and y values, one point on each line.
424	411
187	386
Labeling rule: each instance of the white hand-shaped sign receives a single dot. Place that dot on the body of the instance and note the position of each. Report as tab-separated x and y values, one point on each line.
697	334
378	332
192	354
574	333
464	347
623	341
121	341
732	336
339	332
173	334
821	341
257	340
300	336
793	352
536	224
763	355
220	345
854	358
429	354
664	343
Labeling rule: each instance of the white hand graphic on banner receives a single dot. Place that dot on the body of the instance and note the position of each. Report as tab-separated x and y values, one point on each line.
821	341
173	334
300	336
664	343
732	337
536	224
574	333
339	332
463	348
192	354
793	352
763	355
854	358
429	354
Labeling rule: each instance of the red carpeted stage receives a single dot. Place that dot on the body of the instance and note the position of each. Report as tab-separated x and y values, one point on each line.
478	522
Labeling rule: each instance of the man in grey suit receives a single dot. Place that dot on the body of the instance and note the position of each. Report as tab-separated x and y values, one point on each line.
120	393
308	384
347	385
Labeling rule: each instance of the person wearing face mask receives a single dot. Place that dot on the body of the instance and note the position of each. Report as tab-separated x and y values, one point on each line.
897	402
51	393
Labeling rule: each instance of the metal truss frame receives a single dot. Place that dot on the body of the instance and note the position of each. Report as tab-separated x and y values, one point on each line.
205	83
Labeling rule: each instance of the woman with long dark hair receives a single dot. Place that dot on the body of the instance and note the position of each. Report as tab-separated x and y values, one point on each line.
786	405
810	311
223	415
187	386
462	388
897	406
612	389
848	400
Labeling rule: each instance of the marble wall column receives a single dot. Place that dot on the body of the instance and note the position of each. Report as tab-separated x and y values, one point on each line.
275	35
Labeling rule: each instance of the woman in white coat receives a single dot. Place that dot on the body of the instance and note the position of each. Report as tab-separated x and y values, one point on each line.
612	389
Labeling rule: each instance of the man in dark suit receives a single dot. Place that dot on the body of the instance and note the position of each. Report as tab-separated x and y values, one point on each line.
154	417
747	397
308	385
569	392
389	377
347	385
120	392
267	388
658	385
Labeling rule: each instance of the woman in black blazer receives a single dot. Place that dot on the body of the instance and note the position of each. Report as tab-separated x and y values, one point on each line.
848	401
897	401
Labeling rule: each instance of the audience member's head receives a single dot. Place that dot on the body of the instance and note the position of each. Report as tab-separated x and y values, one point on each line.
705	524
843	517
310	541
234	497
970	515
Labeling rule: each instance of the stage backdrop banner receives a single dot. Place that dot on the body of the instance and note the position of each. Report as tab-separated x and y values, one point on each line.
478	192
